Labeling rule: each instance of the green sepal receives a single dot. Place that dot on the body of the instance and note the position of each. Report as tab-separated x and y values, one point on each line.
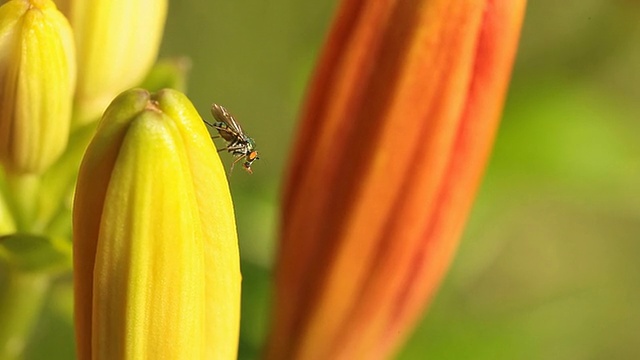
168	73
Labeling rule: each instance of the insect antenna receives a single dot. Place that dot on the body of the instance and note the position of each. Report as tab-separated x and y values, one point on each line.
264	159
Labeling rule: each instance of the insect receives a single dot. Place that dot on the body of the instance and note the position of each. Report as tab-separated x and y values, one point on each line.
238	143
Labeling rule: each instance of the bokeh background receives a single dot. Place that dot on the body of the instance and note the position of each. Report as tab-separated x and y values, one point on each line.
548	267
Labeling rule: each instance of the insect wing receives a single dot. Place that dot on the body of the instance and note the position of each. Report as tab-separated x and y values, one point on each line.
226	132
222	115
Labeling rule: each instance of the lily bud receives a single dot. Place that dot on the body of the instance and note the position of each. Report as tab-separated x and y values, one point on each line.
117	42
395	135
156	263
37	79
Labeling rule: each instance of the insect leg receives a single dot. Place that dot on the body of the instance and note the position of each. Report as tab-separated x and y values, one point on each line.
232	148
234	163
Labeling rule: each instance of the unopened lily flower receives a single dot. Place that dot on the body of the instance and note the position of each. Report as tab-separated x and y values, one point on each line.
117	43
156	263
396	132
37	80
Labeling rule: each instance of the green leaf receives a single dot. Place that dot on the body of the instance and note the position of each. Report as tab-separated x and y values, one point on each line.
35	253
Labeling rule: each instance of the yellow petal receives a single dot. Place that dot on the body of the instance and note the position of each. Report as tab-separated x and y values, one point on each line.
218	222
149	288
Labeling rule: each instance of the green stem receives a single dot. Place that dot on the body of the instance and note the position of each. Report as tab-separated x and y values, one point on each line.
21	301
23	197
58	182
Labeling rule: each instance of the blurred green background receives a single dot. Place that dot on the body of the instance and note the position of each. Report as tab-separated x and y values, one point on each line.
548	266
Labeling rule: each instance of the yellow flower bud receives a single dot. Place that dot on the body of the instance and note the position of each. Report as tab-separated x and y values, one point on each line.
37	79
156	263
117	42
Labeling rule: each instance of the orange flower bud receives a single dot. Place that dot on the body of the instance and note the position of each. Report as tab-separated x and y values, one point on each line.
395	136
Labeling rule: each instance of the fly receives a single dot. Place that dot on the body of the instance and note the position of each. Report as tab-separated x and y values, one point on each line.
238	143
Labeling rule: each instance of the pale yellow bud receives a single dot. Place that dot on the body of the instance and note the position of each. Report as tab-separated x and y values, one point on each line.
37	79
117	42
